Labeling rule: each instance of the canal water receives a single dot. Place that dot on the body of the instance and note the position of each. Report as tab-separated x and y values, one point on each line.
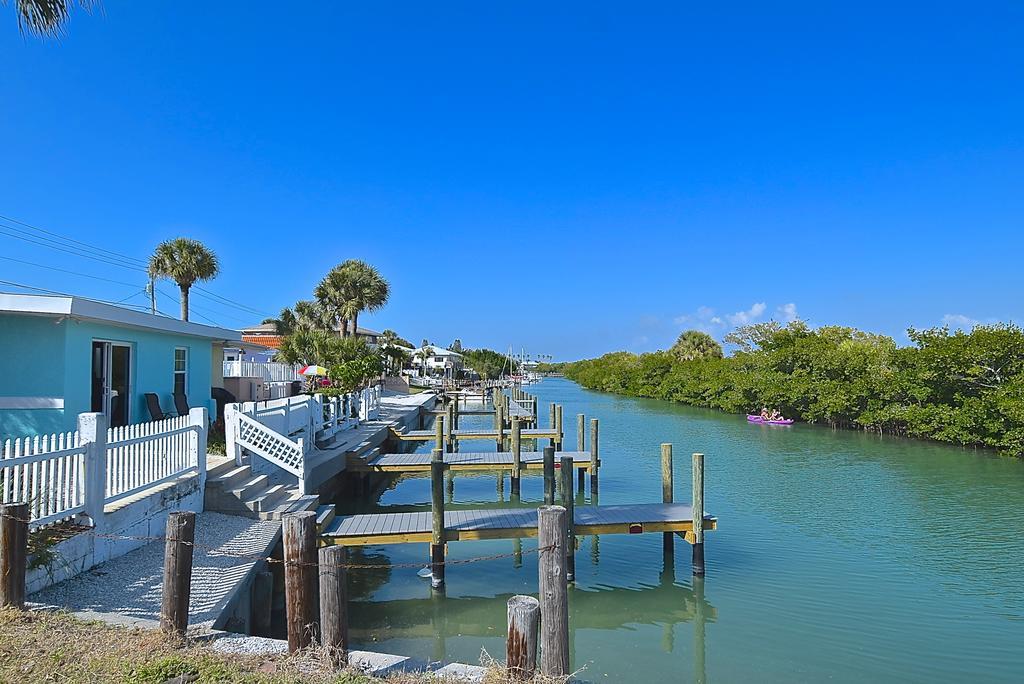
839	556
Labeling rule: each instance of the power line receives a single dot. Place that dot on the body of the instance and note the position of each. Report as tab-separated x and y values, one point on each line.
106	256
68	294
64	270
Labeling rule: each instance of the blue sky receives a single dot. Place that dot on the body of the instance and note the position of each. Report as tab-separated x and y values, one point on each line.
603	175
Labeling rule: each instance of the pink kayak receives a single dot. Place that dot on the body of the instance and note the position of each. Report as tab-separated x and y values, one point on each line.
762	421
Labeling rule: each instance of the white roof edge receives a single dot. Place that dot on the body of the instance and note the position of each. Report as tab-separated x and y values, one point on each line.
79	307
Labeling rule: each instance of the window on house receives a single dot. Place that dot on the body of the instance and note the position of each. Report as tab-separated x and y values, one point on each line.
180	370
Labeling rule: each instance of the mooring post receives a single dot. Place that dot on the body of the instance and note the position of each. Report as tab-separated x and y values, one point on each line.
334	604
13	554
581	445
552	417
451	428
549	475
501	428
668	544
595	461
521	642
570	509
437	536
517	454
698	515
300	578
558	428
177	580
455	413
554	594
439	432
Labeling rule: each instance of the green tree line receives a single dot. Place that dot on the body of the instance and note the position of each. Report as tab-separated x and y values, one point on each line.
960	387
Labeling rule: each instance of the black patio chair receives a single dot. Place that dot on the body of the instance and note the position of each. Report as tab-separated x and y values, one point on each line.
153	404
181	404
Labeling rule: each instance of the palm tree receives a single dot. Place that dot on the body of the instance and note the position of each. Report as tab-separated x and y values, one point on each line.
694	344
424	353
45	17
186	262
365	288
332	295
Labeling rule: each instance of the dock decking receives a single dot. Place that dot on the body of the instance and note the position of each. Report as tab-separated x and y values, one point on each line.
459	461
399	528
429	435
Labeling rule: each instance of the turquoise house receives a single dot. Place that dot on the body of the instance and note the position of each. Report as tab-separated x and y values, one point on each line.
61	356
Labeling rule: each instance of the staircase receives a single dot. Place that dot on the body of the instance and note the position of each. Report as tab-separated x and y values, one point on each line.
236	490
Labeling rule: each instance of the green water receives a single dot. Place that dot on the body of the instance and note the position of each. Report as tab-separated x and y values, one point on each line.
839	556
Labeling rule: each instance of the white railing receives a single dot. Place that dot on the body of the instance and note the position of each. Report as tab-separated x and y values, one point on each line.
63	475
271	371
47	473
369	403
147	454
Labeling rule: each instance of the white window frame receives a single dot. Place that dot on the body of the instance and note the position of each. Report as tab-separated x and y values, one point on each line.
184	373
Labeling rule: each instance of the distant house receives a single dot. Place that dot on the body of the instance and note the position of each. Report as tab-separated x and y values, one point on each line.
439	359
266	334
61	356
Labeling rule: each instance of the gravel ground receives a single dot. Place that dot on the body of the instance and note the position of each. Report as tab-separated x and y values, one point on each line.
127	589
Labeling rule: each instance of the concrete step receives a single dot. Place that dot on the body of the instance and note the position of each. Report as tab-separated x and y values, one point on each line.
230	478
220	469
324	515
295	503
266	500
253	486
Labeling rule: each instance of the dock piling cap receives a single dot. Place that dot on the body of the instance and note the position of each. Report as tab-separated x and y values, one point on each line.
636	528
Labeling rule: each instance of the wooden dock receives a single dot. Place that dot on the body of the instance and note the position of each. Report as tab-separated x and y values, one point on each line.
469	461
430	435
399	528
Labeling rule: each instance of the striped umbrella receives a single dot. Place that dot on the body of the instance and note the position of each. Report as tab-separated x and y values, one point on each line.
313	370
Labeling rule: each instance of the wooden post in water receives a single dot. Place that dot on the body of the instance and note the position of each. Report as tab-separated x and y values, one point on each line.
177	579
455	413
437	536
439	432
570	509
300	578
558	428
549	475
517	446
668	545
595	460
13	554
698	515
521	642
501	428
451	428
554	594
334	604
581	445
552	417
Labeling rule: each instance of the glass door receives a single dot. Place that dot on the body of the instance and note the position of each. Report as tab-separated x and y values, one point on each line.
111	381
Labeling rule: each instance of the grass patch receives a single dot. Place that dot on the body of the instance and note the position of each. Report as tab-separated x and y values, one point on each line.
58	647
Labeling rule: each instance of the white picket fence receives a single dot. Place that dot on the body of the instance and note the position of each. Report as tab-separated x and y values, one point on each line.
62	475
270	371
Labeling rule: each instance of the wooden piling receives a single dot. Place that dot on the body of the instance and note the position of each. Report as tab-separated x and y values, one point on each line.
549	475
570	509
439	432
334	604
668	544
554	595
517	452
300	578
558	428
13	554
501	429
177	579
595	460
521	642
437	537
698	515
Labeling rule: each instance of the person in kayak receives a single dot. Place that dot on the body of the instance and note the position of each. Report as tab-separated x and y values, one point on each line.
776	415
764	413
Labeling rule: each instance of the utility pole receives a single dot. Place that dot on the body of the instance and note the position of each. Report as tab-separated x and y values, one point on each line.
151	289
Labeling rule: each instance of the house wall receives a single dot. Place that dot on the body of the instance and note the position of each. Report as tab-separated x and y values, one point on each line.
152	367
32	370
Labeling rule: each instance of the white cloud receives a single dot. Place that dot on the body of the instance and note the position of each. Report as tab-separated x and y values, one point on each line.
750	316
787	312
960	321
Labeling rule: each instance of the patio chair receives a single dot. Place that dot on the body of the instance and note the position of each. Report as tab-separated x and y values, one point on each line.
153	404
181	404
